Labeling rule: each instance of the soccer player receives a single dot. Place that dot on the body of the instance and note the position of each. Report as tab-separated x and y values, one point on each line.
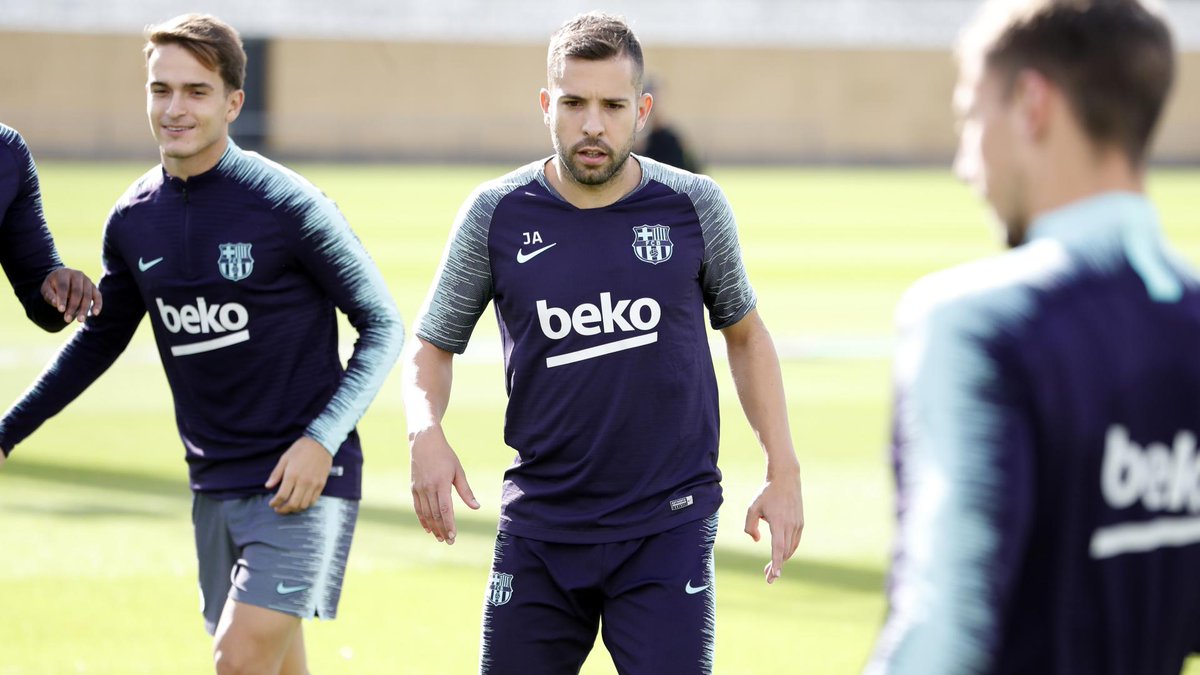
1048	400
601	264
240	264
53	295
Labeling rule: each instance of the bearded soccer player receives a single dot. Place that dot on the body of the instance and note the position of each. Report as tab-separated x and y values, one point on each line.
52	295
240	264
601	265
1048	400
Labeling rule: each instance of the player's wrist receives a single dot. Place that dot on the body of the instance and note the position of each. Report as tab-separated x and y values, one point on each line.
783	469
428	430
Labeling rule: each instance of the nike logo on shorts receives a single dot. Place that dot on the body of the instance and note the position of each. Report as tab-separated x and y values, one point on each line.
283	589
145	265
523	258
692	590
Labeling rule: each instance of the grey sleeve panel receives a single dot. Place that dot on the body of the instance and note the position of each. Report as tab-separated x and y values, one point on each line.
727	290
462	286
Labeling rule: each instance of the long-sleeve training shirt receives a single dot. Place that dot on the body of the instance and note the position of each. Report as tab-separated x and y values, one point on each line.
240	269
1045	446
27	250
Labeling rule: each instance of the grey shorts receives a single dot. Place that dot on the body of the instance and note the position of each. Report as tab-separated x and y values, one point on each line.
289	563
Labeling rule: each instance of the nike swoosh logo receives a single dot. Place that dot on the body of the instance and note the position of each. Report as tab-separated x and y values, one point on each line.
288	590
526	257
692	590
143	266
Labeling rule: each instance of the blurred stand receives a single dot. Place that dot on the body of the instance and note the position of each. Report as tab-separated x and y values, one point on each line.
661	141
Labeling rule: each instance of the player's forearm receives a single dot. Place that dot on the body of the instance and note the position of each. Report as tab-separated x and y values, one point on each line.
380	339
81	361
759	381
427	380
27	261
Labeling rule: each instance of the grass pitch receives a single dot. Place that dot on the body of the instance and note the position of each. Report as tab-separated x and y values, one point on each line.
99	572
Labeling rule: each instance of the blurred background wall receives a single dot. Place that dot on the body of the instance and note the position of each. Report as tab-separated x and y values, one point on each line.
773	81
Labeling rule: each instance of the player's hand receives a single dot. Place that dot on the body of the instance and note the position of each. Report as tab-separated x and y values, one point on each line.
435	468
300	474
72	293
781	504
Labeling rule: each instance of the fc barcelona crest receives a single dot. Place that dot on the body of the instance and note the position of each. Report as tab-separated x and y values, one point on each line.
235	262
500	588
652	243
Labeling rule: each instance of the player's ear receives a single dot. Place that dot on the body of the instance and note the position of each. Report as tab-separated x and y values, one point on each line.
234	105
645	103
1033	96
544	100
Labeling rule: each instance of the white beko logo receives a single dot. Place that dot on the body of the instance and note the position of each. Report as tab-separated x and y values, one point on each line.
1163	479
228	320
587	319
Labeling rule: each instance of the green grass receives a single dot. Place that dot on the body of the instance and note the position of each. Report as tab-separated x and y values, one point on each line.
99	569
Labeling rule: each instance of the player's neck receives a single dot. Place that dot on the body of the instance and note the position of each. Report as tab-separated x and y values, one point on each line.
594	196
1080	176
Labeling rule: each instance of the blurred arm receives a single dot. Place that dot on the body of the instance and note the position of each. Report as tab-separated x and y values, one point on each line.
962	452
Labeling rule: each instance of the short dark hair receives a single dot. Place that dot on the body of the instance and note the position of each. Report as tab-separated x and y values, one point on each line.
594	36
1113	59
214	43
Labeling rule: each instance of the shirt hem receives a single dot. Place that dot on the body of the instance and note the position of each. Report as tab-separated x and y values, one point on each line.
607	535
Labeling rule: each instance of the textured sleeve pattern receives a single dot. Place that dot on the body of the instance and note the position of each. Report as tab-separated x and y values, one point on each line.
333	254
462	286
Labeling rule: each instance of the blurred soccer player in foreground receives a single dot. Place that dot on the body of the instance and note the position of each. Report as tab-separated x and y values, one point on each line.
1048	400
601	264
240	264
51	294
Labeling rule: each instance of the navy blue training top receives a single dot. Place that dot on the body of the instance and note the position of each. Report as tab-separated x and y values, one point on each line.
240	269
612	396
1046	421
27	250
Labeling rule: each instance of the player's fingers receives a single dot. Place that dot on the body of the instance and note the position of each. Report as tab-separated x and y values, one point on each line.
75	296
83	308
794	540
752	516
419	510
778	547
433	515
445	514
97	300
301	500
50	290
464	489
276	475
286	487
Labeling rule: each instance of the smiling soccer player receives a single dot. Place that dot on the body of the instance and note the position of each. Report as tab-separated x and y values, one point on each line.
241	265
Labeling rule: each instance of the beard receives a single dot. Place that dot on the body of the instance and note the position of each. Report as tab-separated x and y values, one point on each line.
599	175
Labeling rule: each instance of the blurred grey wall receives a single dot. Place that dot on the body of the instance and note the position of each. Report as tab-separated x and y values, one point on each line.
754	80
